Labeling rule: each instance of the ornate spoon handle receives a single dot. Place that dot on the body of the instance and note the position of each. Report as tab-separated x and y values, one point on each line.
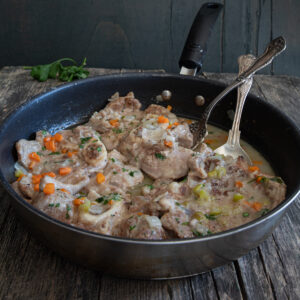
274	48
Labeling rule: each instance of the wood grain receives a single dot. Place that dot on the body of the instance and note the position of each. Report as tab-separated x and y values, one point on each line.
144	34
29	270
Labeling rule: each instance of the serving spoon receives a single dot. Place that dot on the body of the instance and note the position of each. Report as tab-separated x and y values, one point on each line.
232	147
199	128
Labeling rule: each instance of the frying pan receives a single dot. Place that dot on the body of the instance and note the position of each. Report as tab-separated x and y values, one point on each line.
73	103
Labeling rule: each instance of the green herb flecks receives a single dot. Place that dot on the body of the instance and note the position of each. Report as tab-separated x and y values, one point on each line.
57	70
57	204
131	173
51	205
113	160
245	214
185	223
264	211
39	153
99	149
277	179
117	130
44	132
211	217
160	156
83	141
67	213
132	227
54	153
105	199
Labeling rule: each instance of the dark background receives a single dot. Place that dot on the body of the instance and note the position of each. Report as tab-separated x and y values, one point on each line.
146	34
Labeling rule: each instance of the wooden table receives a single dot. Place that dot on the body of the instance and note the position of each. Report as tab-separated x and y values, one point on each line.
29	270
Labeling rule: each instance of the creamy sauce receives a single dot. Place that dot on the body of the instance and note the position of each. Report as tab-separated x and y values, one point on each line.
217	137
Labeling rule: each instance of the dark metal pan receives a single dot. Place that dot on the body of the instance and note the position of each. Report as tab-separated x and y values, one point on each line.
73	103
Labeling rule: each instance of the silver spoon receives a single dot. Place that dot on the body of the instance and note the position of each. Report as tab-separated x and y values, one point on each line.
232	147
199	129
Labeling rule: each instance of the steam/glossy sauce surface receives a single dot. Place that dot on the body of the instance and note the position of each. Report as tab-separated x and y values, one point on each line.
131	173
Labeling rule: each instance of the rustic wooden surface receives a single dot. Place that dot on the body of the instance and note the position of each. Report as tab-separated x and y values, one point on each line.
29	270
144	34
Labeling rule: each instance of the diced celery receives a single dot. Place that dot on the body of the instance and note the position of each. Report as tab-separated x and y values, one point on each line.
198	215
203	195
237	197
85	206
197	189
221	171
18	173
212	174
215	212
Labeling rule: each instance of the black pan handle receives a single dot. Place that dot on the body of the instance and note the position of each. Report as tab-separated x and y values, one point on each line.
195	46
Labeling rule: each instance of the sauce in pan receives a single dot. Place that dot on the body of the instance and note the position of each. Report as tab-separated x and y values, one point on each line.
131	173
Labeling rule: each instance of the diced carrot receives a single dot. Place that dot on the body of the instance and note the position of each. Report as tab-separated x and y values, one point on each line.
51	174
36	178
64	150
78	201
110	202
247	203
31	165
47	139
114	123
52	146
257	162
169	107
162	120
175	124
139	213
258	179
170	126
189	121
49	188
65	191
20	177
34	156
168	144
58	137
257	206
37	187
65	171
253	168
238	184
70	154
100	178
209	141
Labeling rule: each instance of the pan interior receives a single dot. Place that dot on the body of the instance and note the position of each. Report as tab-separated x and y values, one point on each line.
262	125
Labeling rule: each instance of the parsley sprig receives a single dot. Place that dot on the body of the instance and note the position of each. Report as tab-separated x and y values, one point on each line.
57	70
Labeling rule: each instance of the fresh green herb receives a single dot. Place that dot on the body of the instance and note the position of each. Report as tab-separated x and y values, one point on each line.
54	153
197	233
185	223
113	160
132	227
160	156
210	216
43	148
277	179
210	132
105	199
150	186
67	213
177	220
131	173
117	130
99	149
264	211
184	179
44	132
57	204
39	153
56	69
177	203
51	204
124	170
84	140
82	194
115	172
95	141
245	214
